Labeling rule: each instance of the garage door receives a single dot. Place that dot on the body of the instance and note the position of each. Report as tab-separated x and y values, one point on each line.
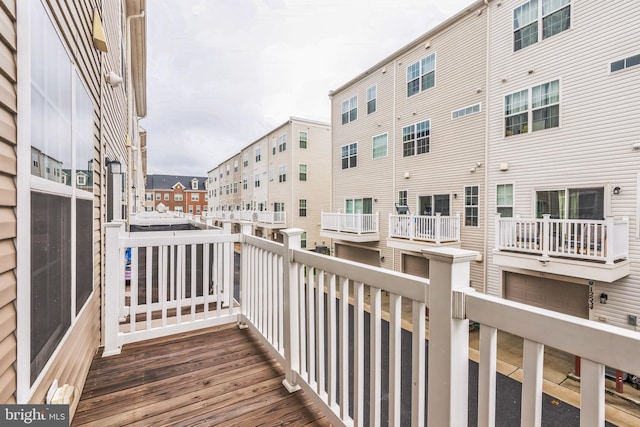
564	297
416	265
352	253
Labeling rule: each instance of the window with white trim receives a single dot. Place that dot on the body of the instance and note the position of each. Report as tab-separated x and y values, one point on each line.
244	183
421	75
372	95
178	197
571	203
415	139
628	62
537	20
61	116
271	174
245	160
466	111
258	154
379	145
471	205
166	197
282	143
148	197
235	166
282	174
302	172
302	207
504	200
195	197
303	240
349	154
303	139
350	110
544	113
194	184
402	198
256	180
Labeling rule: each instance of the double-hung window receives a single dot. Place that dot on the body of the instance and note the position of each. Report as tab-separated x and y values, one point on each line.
544	113
245	184
402	198
350	110
302	207
537	20
471	206
504	200
302	172
415	139
256	180
421	75
303	139
379	144
372	95
282	143
177	197
258	155
349	155
282	174
245	160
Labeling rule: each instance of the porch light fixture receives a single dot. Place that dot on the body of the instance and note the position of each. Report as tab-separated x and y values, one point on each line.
603	298
616	190
114	166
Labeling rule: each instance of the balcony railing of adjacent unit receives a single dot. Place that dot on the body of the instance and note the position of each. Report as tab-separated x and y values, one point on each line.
601	240
435	229
265	217
357	223
309	310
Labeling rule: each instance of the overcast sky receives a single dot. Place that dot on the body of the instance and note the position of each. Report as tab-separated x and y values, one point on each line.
223	73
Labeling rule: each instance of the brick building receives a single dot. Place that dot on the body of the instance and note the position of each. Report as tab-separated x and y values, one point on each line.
178	193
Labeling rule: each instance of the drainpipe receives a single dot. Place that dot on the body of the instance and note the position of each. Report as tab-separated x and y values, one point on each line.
393	159
485	258
132	197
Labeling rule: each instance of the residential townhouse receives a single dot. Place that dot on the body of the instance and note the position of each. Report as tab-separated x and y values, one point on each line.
281	182
564	156
176	193
408	147
74	81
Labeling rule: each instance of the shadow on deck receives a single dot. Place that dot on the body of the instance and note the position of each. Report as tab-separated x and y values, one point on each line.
219	376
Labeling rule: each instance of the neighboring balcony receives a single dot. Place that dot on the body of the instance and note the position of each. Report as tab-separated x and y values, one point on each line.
413	232
271	218
588	249
356	227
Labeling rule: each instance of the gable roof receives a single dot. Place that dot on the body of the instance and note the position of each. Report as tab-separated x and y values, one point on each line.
168	182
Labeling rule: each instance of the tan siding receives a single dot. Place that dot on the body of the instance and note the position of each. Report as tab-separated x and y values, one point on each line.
598	125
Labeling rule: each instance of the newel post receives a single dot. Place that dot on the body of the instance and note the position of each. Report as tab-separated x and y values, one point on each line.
292	237
448	336
113	283
246	230
546	235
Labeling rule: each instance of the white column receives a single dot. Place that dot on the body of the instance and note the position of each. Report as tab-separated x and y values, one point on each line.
592	398
114	267
448	336
292	237
244	274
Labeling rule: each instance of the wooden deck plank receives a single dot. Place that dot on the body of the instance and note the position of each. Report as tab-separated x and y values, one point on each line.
219	376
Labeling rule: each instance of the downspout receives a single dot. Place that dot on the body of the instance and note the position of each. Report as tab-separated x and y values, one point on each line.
132	197
485	259
393	160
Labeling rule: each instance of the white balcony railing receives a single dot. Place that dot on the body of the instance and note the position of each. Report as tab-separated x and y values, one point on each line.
304	307
435	229
601	240
357	223
265	217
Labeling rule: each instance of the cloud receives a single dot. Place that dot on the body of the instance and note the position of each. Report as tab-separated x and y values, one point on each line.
222	73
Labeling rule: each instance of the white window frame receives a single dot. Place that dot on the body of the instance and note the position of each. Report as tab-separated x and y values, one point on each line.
178	197
350	110
195	197
349	155
468	205
379	147
303	139
503	205
529	109
372	99
621	64
282	173
418	71
415	138
538	21
466	111
282	143
303	175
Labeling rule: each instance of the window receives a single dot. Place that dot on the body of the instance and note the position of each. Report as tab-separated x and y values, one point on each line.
158	196
467	111
504	200
471	206
195	197
245	160
415	139
198	208
302	172
354	206
61	115
235	189
148	197
349	155
271	173
282	143
303	139
282	174
178	197
256	180
178	208
303	240
437	203
166	197
302	207
194	184
372	94
630	61
82	180
278	207
273	146
149	209
571	203
350	110
190	208
258	155
244	183
537	18
421	75
402	198
228	169
235	166
543	114
379	145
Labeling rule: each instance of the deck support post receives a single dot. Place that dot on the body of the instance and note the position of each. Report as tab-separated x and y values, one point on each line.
292	240
113	287
448	336
245	230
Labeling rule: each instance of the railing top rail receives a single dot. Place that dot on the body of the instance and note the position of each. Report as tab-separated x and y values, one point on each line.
589	339
406	285
166	238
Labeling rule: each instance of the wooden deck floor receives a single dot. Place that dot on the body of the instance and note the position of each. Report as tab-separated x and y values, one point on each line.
219	376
